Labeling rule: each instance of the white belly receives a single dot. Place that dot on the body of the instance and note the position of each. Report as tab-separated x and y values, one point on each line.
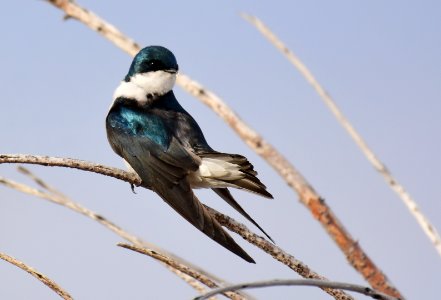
212	173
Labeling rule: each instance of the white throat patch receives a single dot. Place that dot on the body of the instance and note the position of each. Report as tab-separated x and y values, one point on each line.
154	83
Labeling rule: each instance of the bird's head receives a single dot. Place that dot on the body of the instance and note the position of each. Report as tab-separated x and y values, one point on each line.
152	73
153	59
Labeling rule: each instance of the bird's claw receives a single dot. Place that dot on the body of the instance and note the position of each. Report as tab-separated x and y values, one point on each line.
132	186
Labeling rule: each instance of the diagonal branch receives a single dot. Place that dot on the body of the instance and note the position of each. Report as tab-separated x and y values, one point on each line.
299	282
411	204
285	258
309	197
43	278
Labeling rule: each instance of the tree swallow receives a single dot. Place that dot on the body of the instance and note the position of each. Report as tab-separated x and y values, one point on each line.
164	145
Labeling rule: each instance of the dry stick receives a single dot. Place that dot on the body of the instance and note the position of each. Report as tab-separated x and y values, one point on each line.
73	10
41	182
44	279
177	266
428	228
320	210
299	282
129	177
65	201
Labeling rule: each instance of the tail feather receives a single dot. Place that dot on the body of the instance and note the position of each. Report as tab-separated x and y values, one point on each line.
182	200
225	194
251	186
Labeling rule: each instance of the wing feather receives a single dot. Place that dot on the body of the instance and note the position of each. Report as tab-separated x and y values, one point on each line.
165	172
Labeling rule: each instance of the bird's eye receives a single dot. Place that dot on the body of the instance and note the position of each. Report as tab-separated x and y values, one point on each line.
154	63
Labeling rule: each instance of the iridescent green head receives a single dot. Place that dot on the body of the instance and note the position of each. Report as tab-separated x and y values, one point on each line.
151	59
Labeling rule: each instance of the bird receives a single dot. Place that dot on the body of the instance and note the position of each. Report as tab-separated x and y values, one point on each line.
160	141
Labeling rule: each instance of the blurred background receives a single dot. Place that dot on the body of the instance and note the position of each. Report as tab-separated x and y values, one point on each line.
380	60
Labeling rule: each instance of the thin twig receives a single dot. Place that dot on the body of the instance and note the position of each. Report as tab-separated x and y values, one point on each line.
41	182
428	228
228	222
319	209
178	266
300	282
43	278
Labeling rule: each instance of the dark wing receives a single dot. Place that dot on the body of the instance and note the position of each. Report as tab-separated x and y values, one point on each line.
164	168
225	194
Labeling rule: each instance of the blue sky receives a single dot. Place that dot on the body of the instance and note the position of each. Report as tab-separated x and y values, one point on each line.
379	60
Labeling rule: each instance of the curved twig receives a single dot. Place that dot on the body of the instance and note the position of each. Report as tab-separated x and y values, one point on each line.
43	278
303	282
287	259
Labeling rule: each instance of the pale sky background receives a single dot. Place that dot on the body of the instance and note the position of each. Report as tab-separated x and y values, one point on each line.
379	59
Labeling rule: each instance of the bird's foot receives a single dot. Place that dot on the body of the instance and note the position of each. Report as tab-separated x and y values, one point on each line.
132	186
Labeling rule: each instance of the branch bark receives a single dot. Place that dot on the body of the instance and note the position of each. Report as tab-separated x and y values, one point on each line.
427	227
43	278
308	196
285	258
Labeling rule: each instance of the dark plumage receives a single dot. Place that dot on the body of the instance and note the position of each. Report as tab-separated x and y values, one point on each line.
166	147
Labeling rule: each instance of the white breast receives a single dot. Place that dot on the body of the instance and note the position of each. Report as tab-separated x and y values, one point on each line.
154	83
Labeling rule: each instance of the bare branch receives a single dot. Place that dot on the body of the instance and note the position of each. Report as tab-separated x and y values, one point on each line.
40	182
44	279
71	163
107	30
226	221
411	204
309	197
358	259
60	199
302	282
178	266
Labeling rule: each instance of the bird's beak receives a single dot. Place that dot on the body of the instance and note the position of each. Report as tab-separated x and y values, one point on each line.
171	71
